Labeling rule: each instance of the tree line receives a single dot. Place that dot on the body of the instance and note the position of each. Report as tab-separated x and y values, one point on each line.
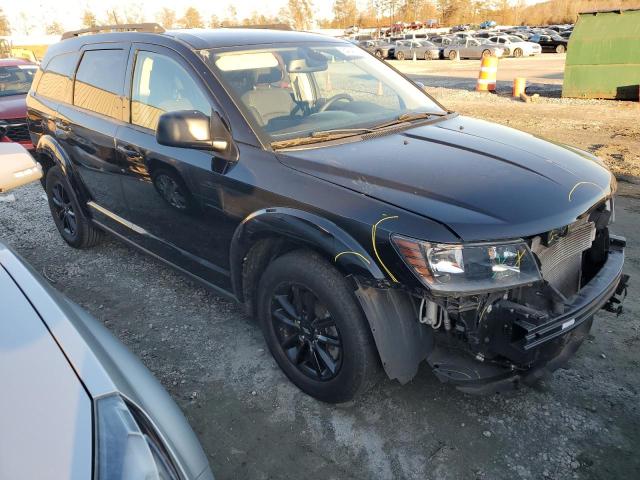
299	14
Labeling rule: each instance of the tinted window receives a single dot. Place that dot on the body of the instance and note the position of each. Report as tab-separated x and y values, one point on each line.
57	78
161	85
99	82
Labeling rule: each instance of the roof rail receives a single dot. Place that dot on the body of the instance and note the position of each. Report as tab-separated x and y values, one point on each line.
125	27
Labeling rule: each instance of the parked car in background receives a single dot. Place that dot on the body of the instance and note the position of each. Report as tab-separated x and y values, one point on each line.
472	48
460	28
442	41
550	43
488	24
515	46
566	34
422	49
380	48
16	76
286	170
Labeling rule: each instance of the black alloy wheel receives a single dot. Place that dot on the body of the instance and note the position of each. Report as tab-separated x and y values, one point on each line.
74	227
306	332
63	209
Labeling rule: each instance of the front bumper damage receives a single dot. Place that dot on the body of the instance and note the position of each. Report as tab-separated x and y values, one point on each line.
526	349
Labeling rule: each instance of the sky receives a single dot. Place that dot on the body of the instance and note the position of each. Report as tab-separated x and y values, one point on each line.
32	15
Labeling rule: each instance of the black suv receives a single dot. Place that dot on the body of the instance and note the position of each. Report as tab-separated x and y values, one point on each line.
364	224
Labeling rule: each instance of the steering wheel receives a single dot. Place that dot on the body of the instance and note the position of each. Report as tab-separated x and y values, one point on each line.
334	99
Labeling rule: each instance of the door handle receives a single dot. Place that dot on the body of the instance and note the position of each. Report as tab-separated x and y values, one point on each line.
62	126
129	153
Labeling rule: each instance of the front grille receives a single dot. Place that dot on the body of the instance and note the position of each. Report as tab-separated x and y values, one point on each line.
561	262
17	130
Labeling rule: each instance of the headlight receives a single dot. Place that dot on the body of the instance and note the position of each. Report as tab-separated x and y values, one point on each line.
127	446
470	268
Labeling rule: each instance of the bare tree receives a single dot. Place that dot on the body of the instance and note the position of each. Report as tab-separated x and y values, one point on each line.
5	28
89	19
191	19
167	17
214	22
345	12
54	28
298	13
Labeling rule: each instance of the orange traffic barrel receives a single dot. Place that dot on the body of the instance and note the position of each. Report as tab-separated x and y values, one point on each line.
488	73
519	85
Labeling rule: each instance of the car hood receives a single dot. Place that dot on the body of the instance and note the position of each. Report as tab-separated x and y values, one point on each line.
13	106
483	180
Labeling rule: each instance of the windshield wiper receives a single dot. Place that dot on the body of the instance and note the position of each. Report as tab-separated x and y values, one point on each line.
338	133
317	137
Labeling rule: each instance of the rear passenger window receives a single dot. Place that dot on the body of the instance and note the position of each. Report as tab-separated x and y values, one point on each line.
99	82
57	78
160	85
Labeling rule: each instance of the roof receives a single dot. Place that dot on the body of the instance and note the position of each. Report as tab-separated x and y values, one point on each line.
200	38
12	62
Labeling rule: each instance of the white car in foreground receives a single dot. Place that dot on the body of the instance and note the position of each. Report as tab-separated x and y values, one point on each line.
514	46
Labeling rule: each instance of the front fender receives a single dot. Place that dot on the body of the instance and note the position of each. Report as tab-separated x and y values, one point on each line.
304	228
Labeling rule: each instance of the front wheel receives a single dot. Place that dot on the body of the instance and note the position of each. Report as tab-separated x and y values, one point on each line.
314	327
378	54
400	56
486	53
560	49
517	53
453	55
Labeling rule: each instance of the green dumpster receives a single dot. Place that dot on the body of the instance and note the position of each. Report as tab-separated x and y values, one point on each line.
603	58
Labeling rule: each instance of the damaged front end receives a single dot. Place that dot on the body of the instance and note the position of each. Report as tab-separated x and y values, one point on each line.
500	315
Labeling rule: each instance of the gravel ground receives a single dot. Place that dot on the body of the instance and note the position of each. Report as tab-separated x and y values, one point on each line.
582	423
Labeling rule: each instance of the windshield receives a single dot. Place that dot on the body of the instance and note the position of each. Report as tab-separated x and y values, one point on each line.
16	80
297	91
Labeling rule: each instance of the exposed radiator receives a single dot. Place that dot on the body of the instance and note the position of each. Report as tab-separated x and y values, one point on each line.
561	262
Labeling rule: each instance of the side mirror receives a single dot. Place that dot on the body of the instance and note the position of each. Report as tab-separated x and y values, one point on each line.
193	129
17	166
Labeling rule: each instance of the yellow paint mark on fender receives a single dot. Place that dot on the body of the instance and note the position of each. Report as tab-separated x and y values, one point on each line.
583	183
365	259
373	243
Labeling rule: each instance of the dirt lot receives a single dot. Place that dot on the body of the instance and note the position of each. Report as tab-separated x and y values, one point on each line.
582	423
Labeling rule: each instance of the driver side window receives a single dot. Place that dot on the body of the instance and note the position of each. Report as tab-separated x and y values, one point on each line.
161	85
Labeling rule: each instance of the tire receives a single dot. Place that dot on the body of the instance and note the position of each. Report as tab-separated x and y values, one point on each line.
349	362
400	56
453	55
486	53
378	54
427	55
517	53
172	189
561	49
74	227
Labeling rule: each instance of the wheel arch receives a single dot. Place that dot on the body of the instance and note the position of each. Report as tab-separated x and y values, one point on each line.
49	153
270	232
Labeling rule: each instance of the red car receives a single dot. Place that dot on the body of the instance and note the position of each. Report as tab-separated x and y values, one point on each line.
16	76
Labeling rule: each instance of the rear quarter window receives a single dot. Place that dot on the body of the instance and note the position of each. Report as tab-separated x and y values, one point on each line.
99	82
57	79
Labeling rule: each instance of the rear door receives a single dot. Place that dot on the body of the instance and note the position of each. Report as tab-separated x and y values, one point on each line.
87	129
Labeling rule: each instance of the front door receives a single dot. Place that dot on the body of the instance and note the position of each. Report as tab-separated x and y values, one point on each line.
161	183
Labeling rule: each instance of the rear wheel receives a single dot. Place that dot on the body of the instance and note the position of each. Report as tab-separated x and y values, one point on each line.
453	55
427	55
378	54
486	53
400	55
314	327
74	227
517	52
560	49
